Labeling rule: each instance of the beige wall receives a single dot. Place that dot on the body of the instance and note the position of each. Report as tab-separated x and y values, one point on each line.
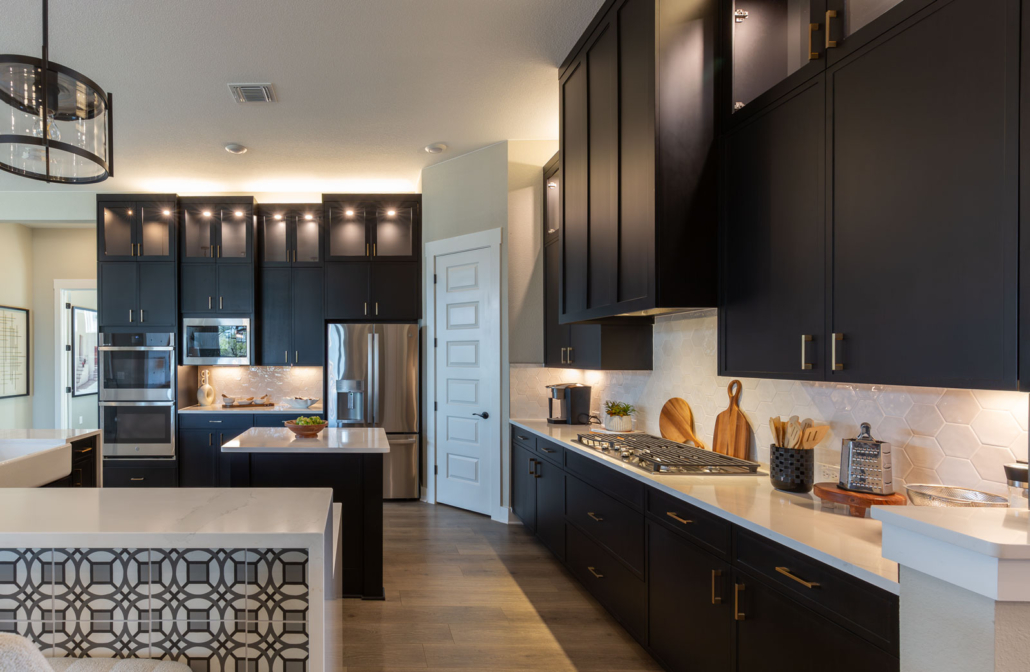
16	291
57	254
466	194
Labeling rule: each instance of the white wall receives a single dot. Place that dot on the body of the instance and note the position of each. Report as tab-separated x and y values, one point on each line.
16	291
85	413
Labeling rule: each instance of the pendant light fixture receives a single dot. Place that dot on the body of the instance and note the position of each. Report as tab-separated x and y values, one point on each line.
55	124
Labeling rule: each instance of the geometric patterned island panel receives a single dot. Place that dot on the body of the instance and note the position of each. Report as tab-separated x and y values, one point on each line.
214	610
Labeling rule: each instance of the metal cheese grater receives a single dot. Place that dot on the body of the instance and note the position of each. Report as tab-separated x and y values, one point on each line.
865	464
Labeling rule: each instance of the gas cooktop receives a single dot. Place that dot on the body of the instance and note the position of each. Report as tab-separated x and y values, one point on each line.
661	456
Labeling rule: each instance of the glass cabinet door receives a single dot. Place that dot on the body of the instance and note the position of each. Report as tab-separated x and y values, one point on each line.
200	232
155	232
274	238
234	243
117	226
348	236
394	231
772	40
308	236
848	16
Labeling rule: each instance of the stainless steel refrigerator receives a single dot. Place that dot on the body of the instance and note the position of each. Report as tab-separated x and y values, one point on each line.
372	381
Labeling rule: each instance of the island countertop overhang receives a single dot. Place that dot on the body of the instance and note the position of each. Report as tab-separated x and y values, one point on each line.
331	440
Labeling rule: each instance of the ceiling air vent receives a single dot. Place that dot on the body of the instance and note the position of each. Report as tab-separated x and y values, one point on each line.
252	93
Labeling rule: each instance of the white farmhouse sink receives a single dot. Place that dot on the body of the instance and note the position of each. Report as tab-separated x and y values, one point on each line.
30	463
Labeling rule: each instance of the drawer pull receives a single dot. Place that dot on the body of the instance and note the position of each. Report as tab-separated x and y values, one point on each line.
594	572
215	422
716	573
591	514
521	438
547	450
672	514
86	450
806	584
136	479
737	613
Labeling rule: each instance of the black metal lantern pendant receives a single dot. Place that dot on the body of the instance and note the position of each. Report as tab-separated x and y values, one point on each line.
55	124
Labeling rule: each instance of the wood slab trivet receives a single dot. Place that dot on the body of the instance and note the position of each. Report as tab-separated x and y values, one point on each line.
268	405
732	431
676	422
857	502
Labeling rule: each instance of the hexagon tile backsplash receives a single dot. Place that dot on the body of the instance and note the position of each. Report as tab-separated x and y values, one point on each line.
275	381
957	437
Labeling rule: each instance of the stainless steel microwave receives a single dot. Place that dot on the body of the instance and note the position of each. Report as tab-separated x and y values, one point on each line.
215	341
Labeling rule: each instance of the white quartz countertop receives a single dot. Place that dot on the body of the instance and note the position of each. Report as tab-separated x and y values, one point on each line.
164	517
57	434
329	440
278	408
997	533
852	545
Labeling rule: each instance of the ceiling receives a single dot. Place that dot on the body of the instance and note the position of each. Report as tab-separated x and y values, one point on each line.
363	85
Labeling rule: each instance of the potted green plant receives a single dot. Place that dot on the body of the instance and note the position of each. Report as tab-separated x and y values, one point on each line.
618	416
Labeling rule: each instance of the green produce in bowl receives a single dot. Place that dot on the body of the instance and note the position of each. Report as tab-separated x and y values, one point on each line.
314	420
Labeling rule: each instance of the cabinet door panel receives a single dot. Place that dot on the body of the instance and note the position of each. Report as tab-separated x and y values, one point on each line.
156	231
116	225
690	605
157	294
118	294
274	240
347	232
236	288
925	201
198	458
199	232
198	288
773	275
307	236
346	291
308	322
276	317
575	235
556	336
395	233
235	235
395	291
603	115
523	488
584	346
550	507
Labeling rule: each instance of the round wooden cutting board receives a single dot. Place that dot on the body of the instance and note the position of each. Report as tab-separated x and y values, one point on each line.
676	422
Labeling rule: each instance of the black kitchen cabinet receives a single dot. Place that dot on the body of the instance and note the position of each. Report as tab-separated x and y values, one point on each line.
374	291
638	178
84	466
137	294
217	232
199	453
291	316
549	481
772	270
123	473
523	485
136	227
212	288
690	605
290	235
346	290
373	227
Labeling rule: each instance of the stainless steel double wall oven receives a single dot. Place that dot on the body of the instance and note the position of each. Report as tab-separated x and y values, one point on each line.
137	394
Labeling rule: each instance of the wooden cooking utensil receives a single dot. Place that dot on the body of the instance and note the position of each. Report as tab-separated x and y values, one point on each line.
793	435
676	422
813	435
732	431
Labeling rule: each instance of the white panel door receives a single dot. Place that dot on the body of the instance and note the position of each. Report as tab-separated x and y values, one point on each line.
467	316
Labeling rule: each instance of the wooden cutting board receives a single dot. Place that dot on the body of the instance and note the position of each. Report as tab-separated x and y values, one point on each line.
676	422
732	431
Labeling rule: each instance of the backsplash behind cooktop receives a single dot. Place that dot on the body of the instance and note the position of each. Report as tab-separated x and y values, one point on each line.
958	437
275	381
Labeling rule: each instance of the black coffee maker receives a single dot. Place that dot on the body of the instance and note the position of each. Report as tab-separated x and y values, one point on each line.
569	404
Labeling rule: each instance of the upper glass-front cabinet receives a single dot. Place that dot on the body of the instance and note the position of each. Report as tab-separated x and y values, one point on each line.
774	40
131	231
221	233
347	232
290	235
384	228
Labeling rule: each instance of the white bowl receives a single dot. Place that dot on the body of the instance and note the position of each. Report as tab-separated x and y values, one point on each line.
295	402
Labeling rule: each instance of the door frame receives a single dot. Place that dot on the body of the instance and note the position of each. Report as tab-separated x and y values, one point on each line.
62	337
491	239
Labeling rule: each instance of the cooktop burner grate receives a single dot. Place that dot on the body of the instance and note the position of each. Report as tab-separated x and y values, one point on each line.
658	455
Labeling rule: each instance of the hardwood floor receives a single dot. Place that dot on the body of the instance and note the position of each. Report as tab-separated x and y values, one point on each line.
466	593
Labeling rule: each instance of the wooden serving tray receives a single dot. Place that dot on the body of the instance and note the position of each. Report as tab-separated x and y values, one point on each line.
268	405
857	502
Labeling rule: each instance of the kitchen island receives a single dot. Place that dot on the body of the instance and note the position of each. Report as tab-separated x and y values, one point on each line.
216	579
38	457
350	462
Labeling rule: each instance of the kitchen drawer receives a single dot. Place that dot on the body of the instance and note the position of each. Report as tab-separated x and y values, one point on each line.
705	529
277	419
607	521
606	478
867	611
523	438
214	421
551	451
614	586
144	475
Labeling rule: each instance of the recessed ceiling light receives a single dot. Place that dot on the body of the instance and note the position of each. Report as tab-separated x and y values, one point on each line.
350	213
234	148
278	216
207	213
309	216
436	148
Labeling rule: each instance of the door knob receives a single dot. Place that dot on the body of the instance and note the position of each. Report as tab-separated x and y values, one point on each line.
484	415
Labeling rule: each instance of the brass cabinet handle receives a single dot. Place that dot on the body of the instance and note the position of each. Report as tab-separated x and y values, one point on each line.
130	315
563	355
672	514
532	468
594	572
536	469
716	573
806	584
136	479
812	54
209	303
219	303
366	307
377	307
523	438
286	356
86	450
591	514
373	249
547	450
737	613
837	366
830	14
570	356
141	315
805	339
366	249
296	356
